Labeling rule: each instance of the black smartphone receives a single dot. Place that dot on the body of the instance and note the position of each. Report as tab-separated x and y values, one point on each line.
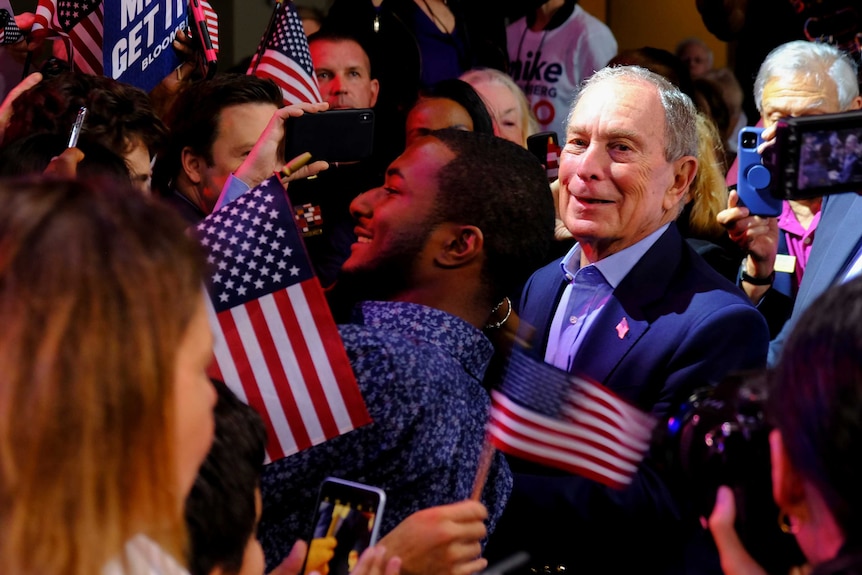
546	148
206	53
334	135
346	522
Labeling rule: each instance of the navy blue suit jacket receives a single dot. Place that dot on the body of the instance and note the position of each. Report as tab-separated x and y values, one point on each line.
839	235
688	327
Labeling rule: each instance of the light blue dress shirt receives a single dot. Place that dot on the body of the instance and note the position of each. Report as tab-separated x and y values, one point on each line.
588	289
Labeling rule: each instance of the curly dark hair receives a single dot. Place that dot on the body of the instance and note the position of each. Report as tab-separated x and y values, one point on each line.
118	114
499	187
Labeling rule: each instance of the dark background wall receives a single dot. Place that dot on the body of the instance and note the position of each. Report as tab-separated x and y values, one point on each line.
659	23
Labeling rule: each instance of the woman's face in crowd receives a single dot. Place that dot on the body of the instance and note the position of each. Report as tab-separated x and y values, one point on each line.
431	114
505	111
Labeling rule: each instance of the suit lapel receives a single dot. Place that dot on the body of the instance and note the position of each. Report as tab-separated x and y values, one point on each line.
833	245
626	317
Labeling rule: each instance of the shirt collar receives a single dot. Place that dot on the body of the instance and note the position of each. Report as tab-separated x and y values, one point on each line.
464	342
616	266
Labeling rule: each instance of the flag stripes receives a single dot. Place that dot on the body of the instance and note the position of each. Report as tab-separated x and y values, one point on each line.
211	22
276	344
86	40
546	415
545	440
296	85
283	56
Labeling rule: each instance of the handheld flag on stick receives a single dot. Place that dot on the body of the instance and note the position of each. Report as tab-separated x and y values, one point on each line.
82	22
277	346
283	56
546	415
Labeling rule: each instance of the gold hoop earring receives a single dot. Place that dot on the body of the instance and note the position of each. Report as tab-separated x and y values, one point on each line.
788	523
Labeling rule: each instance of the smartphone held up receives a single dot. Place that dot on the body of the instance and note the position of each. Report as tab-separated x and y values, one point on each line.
334	136
346	522
811	156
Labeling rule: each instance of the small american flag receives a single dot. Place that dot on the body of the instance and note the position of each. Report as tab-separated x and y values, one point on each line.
283	56
548	416
276	343
9	31
82	22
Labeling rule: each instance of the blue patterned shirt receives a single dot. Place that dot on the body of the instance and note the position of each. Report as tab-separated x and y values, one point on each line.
420	371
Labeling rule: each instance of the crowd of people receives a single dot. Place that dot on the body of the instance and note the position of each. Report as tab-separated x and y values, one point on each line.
620	256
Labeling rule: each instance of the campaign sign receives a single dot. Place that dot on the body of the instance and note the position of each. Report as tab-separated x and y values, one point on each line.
138	38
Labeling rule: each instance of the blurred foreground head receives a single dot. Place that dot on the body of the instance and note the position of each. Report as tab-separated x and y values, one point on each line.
816	405
105	409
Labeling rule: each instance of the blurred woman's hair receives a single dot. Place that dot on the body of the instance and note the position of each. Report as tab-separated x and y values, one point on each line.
97	288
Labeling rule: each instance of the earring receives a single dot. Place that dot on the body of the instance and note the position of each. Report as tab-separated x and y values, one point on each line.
788	523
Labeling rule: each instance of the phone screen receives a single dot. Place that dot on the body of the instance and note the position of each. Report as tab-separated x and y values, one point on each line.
346	522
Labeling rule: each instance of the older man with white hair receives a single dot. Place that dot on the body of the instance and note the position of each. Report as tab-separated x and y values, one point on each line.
634	308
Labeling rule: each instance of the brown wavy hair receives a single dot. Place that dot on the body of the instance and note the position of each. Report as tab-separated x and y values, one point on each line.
97	287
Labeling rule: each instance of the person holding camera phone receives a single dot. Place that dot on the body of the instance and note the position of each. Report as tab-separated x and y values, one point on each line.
225	137
815	446
796	79
224	506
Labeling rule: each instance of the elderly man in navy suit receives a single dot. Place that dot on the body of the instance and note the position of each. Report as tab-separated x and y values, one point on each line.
630	306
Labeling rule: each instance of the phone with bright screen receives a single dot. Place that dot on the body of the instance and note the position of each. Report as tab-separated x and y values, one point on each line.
346	522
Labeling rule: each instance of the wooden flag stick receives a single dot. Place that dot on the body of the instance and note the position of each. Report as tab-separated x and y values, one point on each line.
266	35
485	460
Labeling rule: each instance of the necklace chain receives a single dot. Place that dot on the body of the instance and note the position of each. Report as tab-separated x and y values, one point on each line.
434	16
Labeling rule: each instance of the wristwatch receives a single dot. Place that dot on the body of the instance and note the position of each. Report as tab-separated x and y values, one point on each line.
767	281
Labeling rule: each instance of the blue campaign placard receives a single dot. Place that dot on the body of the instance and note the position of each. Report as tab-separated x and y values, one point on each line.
138	38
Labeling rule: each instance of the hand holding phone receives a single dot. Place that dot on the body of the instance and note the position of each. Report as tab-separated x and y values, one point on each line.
754	180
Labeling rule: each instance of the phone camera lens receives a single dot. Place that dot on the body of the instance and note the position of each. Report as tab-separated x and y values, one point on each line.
749	140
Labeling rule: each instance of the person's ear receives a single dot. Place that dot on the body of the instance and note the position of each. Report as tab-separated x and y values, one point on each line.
461	244
788	489
375	90
193	165
684	171
856	104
